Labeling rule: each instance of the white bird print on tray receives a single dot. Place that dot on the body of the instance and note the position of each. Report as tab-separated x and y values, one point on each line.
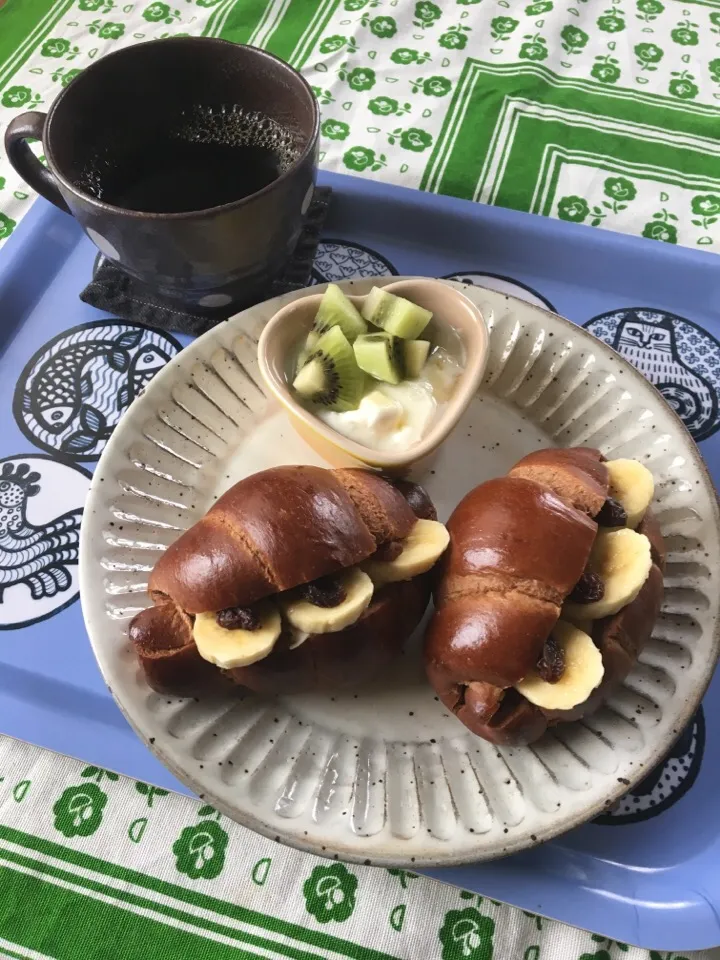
37	556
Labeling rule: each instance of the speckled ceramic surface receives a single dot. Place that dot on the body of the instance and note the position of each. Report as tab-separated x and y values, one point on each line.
384	774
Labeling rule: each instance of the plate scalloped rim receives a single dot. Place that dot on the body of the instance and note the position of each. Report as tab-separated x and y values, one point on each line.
440	800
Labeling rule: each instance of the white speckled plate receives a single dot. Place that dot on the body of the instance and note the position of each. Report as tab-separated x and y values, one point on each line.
384	774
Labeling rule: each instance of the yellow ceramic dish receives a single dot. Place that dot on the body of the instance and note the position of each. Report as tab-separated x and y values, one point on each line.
455	320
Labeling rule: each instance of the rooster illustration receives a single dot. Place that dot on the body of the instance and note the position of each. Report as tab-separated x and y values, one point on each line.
36	556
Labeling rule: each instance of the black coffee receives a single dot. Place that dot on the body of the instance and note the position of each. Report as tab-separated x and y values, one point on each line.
207	158
181	175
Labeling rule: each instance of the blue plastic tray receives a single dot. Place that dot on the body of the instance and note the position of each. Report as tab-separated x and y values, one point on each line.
649	874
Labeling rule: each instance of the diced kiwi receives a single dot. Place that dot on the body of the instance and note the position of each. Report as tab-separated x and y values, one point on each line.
331	377
395	315
415	354
337	310
380	355
307	349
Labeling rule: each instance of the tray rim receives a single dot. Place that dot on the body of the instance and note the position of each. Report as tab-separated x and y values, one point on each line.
697	926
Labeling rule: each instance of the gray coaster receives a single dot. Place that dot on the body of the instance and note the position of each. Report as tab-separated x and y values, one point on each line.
113	290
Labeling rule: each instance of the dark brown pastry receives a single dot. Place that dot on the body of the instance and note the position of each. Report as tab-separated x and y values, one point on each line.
274	531
519	547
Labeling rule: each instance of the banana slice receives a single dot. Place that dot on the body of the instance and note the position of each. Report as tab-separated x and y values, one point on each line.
237	648
583	672
585	625
621	558
308	618
422	548
297	638
632	485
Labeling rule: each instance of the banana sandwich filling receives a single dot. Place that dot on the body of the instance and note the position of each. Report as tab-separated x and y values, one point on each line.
240	636
571	665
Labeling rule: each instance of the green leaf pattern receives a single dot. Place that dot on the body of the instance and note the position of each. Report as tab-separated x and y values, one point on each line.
387	74
242	880
79	810
329	893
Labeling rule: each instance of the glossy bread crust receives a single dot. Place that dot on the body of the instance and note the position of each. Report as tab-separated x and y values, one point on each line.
577	474
519	544
271	532
516	551
515	530
163	642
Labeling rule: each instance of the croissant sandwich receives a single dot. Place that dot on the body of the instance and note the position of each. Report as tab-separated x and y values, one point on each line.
297	578
550	588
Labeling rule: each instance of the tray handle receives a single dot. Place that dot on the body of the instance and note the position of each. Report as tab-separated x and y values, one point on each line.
19	130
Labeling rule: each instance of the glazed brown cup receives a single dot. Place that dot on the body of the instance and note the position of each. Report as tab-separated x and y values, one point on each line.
205	260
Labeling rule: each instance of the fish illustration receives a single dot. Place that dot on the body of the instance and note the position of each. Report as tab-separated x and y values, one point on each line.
75	389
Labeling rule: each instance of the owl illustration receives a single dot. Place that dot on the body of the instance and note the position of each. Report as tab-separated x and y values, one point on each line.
650	346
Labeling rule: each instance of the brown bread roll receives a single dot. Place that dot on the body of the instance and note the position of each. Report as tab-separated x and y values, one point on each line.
272	532
277	529
519	545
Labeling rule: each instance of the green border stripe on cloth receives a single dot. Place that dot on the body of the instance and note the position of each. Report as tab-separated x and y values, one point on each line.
313	938
485	90
127	900
288	28
22	26
299	32
242	20
54	932
243	15
13	954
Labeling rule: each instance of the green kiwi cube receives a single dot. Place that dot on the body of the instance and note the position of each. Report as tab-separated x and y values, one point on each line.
415	353
311	380
337	310
381	356
306	350
395	315
331	377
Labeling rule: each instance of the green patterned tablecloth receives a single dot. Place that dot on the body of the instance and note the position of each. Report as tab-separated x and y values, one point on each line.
96	867
596	111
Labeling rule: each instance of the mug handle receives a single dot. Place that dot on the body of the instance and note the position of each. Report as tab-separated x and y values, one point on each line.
24	161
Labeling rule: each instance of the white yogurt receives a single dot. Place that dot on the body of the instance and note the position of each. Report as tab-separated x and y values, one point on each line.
390	417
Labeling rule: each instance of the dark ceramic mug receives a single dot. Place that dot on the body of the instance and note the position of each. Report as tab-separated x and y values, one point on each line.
203	259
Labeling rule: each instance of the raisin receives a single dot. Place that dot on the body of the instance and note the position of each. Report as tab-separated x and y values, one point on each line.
389	551
417	498
612	514
551	665
323	592
588	589
238	618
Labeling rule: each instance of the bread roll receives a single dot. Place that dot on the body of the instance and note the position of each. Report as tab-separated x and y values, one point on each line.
272	532
519	545
278	529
